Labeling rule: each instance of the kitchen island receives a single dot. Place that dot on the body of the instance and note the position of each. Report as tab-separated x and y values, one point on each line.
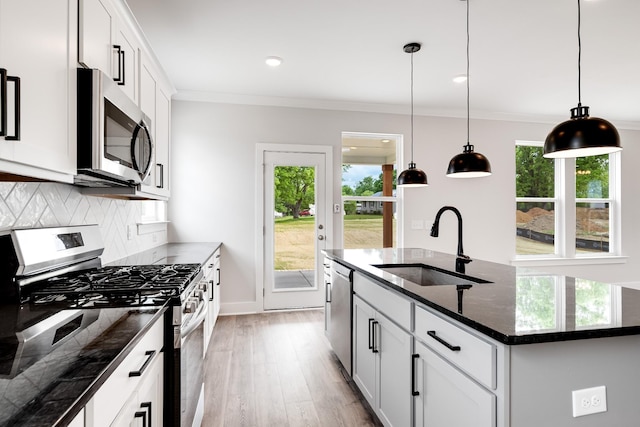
518	341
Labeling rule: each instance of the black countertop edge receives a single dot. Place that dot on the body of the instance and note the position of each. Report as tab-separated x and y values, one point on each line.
538	338
86	396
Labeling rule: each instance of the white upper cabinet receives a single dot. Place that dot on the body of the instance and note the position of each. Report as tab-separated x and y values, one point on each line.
107	43
38	51
156	104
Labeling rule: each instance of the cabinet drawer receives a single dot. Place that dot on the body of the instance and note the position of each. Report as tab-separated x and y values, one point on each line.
112	396
471	354
388	302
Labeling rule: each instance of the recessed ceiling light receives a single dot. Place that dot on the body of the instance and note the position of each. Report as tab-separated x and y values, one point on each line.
353	148
460	78
385	141
273	61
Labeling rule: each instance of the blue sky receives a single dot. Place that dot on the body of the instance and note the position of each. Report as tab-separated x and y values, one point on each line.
357	172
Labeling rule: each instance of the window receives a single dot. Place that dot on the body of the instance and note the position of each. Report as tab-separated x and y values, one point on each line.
565	208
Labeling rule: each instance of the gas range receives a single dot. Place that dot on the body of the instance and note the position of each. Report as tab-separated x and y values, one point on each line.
114	286
52	281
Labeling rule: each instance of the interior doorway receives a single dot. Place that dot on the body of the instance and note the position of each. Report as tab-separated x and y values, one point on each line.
369	168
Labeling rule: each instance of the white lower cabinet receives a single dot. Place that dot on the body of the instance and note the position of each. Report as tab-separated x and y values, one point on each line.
78	421
133	393
144	406
382	364
447	397
212	277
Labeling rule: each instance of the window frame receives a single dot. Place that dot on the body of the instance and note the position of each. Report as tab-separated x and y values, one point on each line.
565	202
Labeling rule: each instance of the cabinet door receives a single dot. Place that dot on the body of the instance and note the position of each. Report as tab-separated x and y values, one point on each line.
125	62
447	397
394	373
163	141
156	104
95	38
364	358
37	45
151	392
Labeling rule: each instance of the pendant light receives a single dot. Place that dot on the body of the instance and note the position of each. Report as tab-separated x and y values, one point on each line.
581	135
468	164
412	177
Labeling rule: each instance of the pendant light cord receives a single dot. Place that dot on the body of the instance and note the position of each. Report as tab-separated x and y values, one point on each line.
411	107
468	72
579	59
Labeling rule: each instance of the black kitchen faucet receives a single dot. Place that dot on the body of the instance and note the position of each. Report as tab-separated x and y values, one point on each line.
462	259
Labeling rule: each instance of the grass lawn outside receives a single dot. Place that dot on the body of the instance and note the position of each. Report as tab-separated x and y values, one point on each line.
295	238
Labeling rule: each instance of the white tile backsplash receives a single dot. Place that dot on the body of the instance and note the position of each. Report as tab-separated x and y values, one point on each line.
29	204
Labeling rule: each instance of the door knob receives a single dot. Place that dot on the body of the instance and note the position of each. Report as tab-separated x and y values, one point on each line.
320	237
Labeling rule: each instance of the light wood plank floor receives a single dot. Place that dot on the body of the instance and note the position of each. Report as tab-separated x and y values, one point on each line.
277	369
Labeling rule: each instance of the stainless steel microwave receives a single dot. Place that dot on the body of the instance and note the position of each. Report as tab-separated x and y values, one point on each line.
115	147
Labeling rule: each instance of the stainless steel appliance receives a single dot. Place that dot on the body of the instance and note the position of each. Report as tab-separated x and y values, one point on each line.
59	268
339	302
115	147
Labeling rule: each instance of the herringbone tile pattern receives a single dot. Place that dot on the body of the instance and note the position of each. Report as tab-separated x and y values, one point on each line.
28	204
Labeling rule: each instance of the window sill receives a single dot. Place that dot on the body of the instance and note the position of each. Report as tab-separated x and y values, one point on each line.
553	261
151	227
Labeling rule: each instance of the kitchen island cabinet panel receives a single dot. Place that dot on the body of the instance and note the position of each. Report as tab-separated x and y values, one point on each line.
381	367
38	45
447	397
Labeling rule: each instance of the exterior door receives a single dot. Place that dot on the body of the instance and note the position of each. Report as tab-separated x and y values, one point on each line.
295	229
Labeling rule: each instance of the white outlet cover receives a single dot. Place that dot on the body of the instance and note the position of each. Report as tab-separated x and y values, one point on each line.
589	401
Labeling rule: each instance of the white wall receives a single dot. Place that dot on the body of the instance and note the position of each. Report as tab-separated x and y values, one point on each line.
213	183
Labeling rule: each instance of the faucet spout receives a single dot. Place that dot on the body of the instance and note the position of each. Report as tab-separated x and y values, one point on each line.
436	227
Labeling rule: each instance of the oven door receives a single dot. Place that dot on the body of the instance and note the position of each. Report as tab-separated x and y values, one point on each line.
192	368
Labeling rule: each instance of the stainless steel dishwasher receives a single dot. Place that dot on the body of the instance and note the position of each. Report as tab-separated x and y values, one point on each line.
338	312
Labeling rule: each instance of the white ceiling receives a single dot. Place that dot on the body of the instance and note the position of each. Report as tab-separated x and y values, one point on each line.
347	54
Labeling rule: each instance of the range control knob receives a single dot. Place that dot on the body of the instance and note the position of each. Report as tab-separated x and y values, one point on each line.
191	305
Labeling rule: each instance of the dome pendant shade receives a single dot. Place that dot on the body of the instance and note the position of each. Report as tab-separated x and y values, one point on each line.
582	136
469	164
412	177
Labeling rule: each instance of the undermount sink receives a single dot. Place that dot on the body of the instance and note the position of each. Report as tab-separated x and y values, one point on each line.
426	275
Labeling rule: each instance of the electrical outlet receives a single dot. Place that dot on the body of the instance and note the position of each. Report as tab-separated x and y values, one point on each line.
336	208
129	232
589	401
417	224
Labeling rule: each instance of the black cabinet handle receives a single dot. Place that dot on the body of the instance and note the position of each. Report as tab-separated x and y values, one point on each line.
433	335
161	173
147	406
16	113
370	336
327	292
3	102
211	289
414	392
219	276
123	70
118	78
373	324
144	366
143	415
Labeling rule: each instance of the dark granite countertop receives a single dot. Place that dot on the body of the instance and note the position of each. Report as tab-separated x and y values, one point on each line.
51	388
172	253
518	306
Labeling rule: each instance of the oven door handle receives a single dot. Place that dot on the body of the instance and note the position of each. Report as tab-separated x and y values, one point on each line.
195	321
